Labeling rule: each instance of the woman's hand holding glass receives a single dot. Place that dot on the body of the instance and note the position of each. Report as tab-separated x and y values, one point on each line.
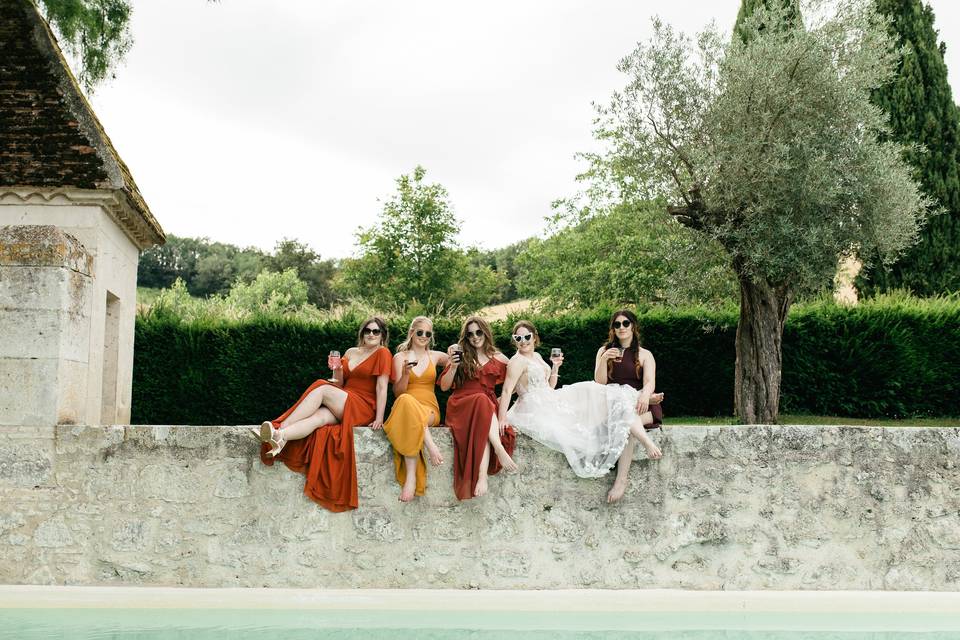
334	363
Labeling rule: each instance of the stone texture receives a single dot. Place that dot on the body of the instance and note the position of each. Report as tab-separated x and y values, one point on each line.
727	508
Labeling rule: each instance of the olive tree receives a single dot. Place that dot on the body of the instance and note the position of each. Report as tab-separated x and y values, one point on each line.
770	145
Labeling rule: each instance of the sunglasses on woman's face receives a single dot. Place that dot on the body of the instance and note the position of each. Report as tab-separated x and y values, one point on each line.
373	332
474	334
617	324
528	337
421	333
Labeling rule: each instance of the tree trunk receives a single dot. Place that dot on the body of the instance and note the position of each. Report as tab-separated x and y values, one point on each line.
763	311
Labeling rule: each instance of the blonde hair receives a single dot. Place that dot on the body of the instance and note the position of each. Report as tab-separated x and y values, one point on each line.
405	345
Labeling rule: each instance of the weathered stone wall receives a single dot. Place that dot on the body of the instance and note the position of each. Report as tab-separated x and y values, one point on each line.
112	269
45	309
727	508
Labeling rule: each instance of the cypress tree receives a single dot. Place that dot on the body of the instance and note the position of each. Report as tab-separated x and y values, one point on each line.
788	12
922	112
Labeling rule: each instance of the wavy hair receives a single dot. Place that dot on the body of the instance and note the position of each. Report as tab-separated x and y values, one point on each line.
470	364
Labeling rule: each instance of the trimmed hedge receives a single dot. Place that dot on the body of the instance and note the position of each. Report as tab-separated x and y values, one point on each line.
889	357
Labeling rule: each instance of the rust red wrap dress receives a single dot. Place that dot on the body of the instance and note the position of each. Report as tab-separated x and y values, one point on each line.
326	456
469	411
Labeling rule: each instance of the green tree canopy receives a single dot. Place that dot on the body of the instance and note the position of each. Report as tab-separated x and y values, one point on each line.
922	113
95	32
782	15
770	145
205	267
411	255
631	253
311	269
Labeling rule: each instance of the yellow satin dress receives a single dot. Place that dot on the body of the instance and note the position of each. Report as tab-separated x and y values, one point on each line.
404	427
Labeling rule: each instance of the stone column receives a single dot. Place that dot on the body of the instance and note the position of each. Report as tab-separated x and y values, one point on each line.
45	322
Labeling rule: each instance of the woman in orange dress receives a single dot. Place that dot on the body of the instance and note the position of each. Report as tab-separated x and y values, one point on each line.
476	368
415	409
315	435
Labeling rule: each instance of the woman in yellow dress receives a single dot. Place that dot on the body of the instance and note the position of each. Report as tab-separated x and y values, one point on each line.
415	409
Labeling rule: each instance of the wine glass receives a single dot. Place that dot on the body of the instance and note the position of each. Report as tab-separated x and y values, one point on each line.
555	354
619	358
412	360
333	361
457	354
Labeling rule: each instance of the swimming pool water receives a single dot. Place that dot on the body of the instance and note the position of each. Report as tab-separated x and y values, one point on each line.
297	624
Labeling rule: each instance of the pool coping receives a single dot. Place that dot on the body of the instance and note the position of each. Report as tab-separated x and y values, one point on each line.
571	600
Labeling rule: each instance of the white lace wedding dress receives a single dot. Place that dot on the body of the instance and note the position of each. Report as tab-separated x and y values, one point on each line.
587	422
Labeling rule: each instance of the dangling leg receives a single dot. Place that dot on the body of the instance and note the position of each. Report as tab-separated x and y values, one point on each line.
433	452
482	476
410	482
501	453
623	473
637	431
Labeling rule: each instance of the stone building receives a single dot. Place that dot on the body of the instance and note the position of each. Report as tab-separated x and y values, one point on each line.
72	224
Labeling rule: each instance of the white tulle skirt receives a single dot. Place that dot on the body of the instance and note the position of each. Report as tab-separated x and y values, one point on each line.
587	422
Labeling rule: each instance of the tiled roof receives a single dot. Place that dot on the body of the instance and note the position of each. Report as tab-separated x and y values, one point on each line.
49	134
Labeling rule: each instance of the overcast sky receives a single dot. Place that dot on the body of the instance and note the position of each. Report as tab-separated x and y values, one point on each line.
247	121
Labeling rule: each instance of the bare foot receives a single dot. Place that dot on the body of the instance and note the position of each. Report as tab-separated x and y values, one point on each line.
653	451
407	493
434	454
506	461
481	485
656	398
616	491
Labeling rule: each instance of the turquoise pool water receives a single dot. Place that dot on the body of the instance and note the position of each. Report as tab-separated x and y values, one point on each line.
294	624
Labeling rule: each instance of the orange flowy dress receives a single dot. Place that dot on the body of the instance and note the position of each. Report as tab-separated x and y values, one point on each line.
469	411
404	428
326	456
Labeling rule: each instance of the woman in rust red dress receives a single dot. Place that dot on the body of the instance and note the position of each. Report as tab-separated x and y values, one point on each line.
476	368
315	436
622	360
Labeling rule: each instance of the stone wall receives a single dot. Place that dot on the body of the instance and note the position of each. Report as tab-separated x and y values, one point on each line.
45	309
727	508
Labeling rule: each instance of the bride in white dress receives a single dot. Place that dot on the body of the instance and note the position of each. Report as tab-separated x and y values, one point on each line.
587	422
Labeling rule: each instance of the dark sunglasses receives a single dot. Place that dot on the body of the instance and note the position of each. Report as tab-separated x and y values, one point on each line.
373	332
475	334
527	337
420	333
617	324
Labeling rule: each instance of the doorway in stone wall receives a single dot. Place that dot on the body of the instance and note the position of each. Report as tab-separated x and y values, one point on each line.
111	357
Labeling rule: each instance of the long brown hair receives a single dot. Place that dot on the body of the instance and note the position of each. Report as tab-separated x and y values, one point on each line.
612	340
470	363
383	330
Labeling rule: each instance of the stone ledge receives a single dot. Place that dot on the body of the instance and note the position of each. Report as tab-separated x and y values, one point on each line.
728	508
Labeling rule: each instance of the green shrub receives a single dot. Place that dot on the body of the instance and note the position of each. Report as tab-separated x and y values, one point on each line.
892	356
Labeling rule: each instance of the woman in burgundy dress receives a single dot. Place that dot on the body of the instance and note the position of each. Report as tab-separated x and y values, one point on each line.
622	360
476	367
315	435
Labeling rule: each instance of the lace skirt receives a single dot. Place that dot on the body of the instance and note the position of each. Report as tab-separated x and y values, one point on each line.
587	422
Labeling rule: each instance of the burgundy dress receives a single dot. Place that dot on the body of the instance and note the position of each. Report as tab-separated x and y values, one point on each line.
469	411
625	372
